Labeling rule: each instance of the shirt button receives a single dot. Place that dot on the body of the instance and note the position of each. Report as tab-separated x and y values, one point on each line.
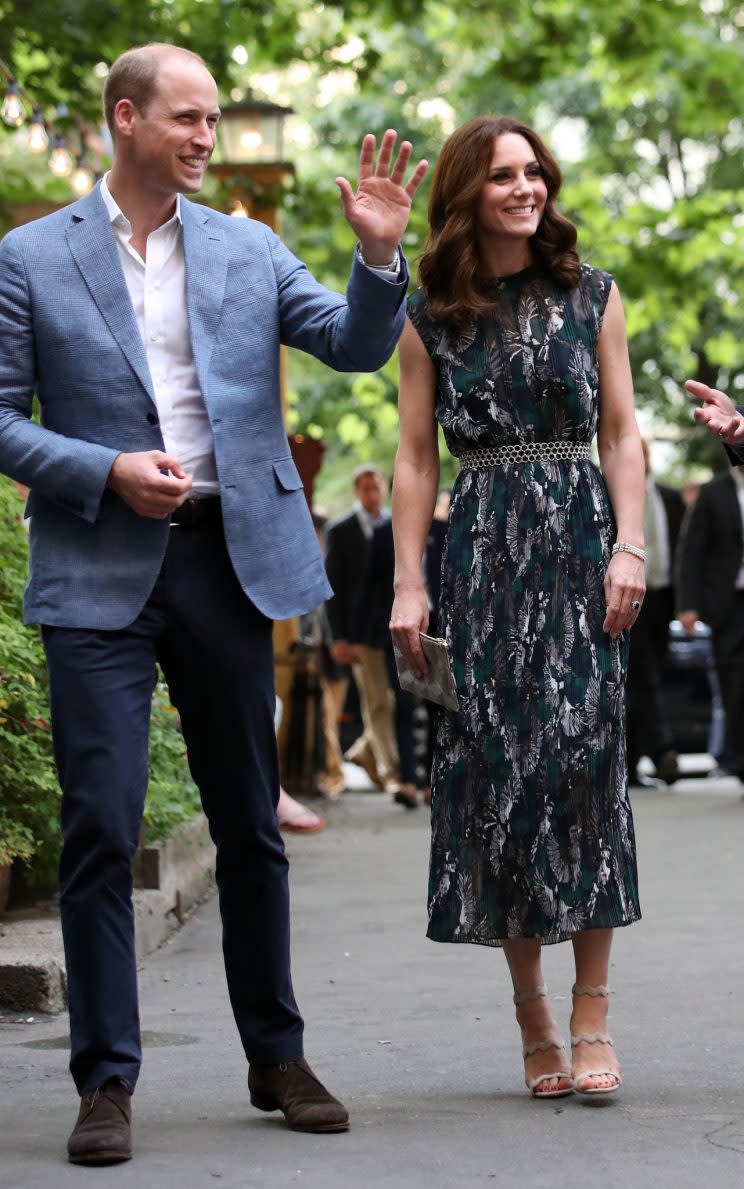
154	336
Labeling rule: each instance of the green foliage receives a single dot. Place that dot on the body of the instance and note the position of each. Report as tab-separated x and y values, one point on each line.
29	794
640	100
172	797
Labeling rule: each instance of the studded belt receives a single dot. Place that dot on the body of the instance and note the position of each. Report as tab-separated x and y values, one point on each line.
491	456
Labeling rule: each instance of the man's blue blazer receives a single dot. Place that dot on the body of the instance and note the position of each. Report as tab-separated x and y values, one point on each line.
68	335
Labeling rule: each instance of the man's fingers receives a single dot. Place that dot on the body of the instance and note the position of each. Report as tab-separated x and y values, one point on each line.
367	157
385	154
347	195
401	162
417	178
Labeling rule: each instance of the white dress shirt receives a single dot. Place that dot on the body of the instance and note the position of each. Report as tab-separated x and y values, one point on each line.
157	288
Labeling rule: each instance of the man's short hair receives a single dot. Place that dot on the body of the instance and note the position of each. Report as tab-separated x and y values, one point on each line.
134	76
366	468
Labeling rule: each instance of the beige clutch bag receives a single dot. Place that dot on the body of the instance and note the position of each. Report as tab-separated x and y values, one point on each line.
438	685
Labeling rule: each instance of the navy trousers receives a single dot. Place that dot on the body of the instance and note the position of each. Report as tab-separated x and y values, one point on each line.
215	649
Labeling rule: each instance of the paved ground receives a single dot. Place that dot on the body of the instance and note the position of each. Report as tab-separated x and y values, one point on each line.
420	1039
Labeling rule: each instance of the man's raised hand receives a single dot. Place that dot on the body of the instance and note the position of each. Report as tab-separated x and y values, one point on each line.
378	212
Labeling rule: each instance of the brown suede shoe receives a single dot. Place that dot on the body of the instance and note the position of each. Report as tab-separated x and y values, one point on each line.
294	1089
103	1132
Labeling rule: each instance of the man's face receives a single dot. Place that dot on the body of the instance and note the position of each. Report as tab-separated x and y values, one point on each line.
370	492
172	141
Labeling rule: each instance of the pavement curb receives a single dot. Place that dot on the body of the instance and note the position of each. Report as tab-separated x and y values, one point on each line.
170	878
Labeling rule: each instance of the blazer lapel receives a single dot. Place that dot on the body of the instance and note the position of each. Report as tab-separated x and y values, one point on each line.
205	253
91	241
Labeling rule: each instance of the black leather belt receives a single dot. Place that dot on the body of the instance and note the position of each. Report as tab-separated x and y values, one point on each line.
194	512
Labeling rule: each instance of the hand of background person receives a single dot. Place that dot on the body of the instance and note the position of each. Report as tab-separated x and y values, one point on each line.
717	413
343	653
139	479
688	619
625	582
378	212
410	615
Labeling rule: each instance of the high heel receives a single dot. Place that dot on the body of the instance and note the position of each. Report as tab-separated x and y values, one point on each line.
579	989
530	1047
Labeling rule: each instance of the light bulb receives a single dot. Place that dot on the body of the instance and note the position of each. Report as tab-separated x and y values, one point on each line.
60	161
38	139
12	110
238	210
82	178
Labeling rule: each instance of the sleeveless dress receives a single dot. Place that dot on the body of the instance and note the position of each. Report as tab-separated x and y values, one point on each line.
532	832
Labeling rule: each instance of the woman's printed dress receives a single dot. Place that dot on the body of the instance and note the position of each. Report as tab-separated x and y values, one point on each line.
532	833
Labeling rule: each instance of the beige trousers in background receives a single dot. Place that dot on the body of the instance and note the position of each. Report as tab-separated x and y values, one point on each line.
377	704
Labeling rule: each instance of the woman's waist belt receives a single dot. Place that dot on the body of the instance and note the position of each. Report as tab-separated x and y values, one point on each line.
491	456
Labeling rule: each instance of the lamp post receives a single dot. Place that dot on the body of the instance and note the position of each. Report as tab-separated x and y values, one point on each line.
252	169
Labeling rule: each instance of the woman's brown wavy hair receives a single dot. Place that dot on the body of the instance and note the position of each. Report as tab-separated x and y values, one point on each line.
449	271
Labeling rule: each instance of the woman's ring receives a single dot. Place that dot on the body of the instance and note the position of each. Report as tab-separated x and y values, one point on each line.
635	605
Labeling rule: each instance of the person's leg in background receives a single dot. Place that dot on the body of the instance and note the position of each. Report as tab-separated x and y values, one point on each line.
377	708
404	718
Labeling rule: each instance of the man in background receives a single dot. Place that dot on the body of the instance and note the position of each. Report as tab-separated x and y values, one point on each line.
648	733
348	541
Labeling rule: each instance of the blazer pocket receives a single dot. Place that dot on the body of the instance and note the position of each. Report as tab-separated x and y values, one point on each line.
287	475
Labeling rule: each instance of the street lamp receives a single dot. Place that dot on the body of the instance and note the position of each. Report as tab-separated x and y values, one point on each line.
251	168
252	132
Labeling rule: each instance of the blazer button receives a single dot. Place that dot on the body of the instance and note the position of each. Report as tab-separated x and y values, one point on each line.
152	418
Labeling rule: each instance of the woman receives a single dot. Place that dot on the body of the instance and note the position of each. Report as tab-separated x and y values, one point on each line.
520	353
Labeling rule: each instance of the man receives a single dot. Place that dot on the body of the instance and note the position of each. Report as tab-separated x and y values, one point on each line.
348	542
169	524
712	563
648	734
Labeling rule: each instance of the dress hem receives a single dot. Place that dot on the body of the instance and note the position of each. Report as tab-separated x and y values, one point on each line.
549	939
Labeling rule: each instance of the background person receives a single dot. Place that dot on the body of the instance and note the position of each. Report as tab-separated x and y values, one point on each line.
348	541
648	732
169	524
711	589
520	353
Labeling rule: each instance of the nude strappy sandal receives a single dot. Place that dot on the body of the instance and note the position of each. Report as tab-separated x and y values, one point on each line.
593	1038
530	1047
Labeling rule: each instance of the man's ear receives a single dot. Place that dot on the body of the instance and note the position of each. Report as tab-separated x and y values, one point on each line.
124	117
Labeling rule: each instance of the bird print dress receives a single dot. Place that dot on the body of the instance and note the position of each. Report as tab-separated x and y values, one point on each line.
532	832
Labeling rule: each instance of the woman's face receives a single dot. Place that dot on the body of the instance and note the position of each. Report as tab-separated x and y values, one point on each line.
513	197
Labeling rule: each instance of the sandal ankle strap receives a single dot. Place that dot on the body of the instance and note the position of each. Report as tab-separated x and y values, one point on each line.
602	990
530	996
591	1038
541	1046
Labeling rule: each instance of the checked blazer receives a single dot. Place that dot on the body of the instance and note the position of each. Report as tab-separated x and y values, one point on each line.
68	336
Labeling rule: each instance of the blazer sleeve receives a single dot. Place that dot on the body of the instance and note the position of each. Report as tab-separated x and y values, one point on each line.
69	472
357	333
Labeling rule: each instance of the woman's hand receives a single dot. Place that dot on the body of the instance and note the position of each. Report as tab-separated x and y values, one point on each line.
410	615
624	584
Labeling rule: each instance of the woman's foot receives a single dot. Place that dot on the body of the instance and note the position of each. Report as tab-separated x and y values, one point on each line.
594	1065
546	1069
293	816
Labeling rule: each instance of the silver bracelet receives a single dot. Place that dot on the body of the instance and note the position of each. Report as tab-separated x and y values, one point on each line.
626	547
393	266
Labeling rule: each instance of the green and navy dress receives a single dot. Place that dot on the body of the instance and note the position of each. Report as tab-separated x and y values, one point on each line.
532	832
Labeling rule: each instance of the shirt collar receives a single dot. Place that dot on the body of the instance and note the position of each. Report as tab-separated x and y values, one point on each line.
115	213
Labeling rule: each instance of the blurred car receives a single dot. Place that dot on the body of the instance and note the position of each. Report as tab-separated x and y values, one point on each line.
690	691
